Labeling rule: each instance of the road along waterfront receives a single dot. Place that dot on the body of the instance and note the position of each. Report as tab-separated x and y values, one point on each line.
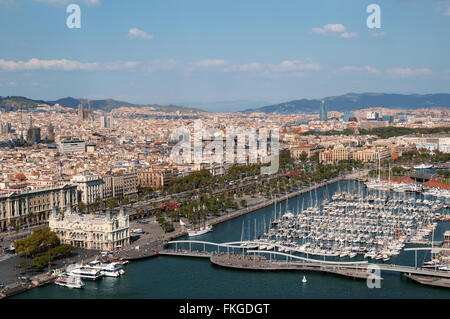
182	277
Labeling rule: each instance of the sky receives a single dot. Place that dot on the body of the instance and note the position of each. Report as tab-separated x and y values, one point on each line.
205	51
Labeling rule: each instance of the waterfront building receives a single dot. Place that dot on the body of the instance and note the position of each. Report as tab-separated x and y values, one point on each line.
89	185
107	231
371	154
309	149
339	153
25	206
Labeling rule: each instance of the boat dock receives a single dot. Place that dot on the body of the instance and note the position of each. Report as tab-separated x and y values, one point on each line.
265	260
20	287
186	253
248	262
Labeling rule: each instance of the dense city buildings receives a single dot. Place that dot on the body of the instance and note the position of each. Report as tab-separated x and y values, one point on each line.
100	161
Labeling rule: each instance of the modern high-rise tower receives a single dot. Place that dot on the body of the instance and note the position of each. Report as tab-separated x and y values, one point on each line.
323	111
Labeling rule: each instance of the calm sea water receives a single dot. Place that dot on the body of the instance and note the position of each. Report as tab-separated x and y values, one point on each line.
181	277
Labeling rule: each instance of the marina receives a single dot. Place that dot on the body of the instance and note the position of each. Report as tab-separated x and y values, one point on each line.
252	231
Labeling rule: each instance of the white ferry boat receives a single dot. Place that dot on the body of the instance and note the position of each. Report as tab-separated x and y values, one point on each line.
113	269
86	273
202	230
70	281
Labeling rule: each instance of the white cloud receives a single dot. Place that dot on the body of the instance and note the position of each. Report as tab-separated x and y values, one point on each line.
335	29
209	63
295	65
329	28
134	33
284	68
63	65
351	68
407	72
371	69
348	35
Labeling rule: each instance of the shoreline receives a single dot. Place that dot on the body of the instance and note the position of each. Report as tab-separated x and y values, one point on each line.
150	249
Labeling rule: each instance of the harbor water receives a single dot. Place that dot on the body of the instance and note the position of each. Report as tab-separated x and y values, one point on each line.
189	277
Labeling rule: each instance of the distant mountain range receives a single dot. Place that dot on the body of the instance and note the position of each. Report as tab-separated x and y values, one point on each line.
354	101
226	106
11	103
342	103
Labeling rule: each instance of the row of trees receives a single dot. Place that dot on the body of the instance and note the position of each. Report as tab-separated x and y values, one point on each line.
219	198
384	132
422	156
43	246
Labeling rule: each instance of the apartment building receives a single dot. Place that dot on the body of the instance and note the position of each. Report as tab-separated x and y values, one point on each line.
371	155
339	153
89	185
309	149
34	205
155	178
118	185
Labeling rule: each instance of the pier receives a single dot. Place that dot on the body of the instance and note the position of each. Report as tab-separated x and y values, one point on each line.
249	259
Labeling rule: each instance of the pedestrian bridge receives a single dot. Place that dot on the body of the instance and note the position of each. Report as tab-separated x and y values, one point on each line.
250	246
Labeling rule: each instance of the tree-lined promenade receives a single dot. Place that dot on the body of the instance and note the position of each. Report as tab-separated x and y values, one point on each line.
204	196
384	132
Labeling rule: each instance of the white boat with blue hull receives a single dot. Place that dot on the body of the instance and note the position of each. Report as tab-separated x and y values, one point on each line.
201	231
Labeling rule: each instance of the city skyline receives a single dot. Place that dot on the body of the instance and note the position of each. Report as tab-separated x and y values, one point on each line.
174	53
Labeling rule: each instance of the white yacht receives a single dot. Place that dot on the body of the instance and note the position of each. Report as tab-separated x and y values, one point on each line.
70	281
202	230
88	273
113	269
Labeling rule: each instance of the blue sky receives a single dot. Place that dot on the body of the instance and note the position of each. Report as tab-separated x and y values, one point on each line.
148	51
